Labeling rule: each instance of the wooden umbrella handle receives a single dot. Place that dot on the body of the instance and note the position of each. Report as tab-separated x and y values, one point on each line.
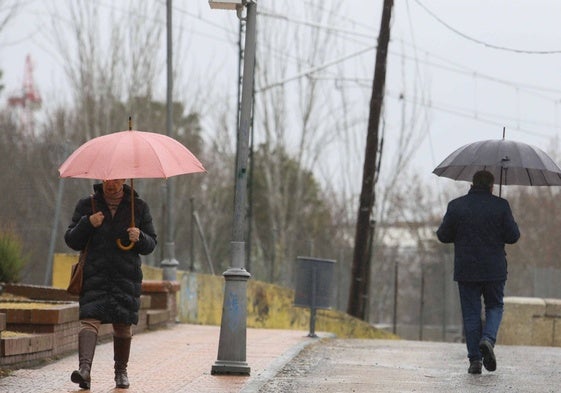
123	247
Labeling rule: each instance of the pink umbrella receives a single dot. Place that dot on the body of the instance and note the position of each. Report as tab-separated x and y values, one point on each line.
130	155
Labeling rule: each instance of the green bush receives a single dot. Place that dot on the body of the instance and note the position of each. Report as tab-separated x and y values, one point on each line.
12	260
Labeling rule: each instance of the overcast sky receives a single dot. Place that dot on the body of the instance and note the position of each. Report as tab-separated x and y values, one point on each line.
472	66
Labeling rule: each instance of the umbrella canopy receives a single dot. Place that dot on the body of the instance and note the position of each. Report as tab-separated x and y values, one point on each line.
511	163
130	155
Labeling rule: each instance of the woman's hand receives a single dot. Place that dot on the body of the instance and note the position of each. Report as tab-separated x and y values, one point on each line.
134	234
96	219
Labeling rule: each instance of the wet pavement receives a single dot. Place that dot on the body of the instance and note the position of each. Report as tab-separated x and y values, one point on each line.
366	366
179	360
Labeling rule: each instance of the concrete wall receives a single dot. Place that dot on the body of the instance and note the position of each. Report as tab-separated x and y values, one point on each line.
200	298
526	321
531	321
269	306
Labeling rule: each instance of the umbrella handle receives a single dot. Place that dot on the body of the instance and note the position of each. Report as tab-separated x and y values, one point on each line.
119	243
123	247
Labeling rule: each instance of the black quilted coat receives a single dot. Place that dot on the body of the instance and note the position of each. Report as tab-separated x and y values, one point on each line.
112	277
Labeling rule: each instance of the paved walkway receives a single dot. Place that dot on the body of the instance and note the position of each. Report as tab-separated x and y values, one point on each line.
179	360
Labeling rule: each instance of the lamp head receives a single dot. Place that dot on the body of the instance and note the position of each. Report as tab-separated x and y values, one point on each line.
225	4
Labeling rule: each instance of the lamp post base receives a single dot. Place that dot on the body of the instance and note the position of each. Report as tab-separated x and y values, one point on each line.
233	335
170	264
225	367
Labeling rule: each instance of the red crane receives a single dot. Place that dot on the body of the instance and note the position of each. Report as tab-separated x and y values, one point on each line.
30	96
29	99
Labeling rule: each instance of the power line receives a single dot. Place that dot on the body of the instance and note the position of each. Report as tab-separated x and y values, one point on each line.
316	25
459	69
315	69
492	46
488	118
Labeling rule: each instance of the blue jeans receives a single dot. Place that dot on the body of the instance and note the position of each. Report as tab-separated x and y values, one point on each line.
470	299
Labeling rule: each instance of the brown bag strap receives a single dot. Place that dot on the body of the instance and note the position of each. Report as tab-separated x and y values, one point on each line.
93	211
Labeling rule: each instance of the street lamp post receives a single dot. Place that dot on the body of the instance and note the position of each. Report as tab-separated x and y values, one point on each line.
232	345
169	264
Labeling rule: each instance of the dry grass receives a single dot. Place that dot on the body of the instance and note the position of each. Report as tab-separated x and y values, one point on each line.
10	334
9	296
27	305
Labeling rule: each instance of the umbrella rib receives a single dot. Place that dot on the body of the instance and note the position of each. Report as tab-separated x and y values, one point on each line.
461	172
527	170
162	169
113	147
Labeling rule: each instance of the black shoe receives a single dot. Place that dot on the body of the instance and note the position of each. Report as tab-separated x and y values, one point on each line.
489	360
474	367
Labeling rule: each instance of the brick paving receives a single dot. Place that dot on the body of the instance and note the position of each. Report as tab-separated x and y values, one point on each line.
177	359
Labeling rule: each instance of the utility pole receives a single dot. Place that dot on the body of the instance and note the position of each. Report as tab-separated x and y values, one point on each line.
360	277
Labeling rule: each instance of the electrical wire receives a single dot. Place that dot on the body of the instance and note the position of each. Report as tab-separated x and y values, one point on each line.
459	69
315	25
487	118
477	41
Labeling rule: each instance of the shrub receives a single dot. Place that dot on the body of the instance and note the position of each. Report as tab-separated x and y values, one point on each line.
12	260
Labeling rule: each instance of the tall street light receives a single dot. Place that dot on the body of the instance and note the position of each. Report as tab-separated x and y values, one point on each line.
232	344
169	264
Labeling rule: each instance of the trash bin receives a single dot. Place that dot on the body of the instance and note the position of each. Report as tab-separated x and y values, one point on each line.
314	286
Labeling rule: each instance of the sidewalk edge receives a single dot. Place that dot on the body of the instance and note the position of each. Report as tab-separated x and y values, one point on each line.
254	384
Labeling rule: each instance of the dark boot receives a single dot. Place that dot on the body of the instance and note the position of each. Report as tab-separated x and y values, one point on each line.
87	341
474	367
489	360
121	351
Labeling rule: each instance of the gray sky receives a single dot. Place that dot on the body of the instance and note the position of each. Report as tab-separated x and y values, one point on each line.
470	67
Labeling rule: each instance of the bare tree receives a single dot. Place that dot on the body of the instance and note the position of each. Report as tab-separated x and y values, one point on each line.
290	126
109	63
113	72
8	11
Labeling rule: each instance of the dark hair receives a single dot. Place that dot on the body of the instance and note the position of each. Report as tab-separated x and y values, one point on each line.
483	179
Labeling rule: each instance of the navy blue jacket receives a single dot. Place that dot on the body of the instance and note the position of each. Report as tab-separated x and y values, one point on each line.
112	277
479	224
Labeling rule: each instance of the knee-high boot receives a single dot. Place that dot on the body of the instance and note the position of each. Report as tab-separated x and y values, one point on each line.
121	352
87	341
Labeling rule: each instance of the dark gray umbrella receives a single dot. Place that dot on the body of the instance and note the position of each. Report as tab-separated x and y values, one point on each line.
512	163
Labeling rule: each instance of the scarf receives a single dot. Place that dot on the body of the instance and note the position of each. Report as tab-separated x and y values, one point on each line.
113	201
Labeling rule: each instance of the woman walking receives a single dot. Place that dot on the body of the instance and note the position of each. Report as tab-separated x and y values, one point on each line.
112	273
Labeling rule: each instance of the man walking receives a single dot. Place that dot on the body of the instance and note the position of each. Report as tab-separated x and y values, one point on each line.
479	224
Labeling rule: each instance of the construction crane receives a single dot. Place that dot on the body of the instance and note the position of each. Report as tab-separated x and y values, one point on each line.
28	100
